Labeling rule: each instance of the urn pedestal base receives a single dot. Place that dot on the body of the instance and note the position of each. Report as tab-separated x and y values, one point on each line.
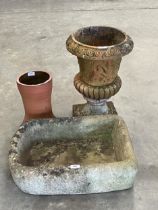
88	109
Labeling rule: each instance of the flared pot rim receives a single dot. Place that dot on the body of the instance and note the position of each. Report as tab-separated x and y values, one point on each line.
31	73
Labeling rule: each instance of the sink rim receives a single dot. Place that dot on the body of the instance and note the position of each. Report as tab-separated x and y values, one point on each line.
18	170
19	134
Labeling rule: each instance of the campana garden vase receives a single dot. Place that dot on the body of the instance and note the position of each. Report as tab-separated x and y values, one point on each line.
99	50
35	89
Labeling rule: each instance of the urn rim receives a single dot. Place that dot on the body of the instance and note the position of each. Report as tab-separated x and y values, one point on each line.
115	30
119	46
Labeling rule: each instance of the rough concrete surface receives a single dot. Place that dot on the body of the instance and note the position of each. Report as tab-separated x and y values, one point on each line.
32	36
73	156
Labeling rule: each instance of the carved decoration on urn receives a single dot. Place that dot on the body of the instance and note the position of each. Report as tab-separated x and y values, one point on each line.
99	50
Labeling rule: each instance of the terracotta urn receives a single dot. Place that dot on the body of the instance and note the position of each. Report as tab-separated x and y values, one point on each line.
99	50
35	88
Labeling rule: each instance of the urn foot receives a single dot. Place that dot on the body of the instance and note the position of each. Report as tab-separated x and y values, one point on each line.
89	109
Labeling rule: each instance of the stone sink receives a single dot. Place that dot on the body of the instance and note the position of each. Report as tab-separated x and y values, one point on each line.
75	155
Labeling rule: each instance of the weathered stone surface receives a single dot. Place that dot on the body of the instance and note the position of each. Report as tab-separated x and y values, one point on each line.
73	156
89	109
99	50
97	93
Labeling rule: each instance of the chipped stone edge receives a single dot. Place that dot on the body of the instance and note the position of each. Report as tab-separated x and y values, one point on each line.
27	178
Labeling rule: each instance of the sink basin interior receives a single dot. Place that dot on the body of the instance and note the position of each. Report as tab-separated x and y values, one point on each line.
63	153
65	143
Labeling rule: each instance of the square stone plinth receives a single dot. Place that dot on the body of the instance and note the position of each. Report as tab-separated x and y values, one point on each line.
79	155
88	109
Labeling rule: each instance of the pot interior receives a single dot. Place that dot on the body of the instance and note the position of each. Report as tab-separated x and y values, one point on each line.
99	36
34	78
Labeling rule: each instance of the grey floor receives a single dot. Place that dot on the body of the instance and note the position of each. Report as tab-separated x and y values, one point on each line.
32	37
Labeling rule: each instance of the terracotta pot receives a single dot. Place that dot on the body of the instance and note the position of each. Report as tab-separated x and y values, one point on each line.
35	89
